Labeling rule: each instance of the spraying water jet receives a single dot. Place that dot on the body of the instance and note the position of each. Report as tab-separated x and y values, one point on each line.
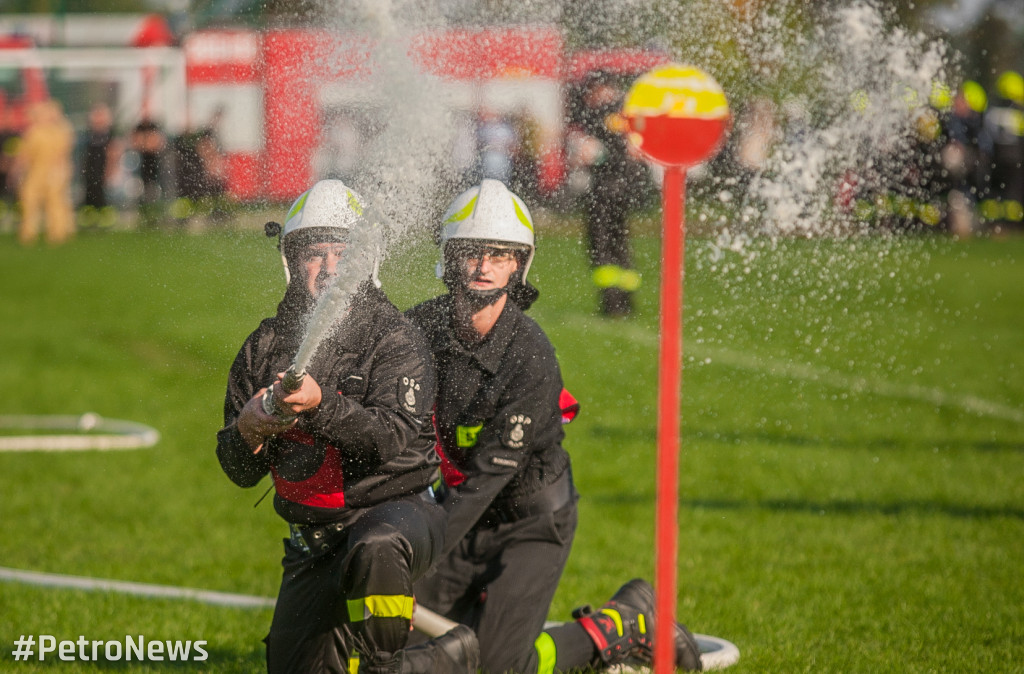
327	212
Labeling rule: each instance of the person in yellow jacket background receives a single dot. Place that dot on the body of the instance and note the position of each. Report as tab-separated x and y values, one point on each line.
43	169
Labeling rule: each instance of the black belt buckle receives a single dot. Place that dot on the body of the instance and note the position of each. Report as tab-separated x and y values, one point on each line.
295	537
313	539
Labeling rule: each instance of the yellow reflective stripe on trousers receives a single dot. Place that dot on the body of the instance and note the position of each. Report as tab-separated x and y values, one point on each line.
546	653
380	606
353	664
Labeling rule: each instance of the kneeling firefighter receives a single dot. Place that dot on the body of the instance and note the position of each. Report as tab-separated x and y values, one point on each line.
507	481
349	447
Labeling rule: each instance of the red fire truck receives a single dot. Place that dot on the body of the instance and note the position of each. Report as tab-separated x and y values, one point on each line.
279	94
19	87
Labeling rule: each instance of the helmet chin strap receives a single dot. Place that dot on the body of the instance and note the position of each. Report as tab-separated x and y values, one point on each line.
479	299
458	284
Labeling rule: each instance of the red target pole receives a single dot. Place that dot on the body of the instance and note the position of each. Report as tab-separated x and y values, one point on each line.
677	117
666	532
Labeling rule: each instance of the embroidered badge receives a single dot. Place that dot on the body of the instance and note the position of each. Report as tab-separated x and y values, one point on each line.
516	429
407	390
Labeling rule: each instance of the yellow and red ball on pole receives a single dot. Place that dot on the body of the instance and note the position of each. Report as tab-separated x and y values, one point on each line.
677	116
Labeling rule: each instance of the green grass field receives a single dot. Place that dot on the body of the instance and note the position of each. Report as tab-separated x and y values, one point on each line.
852	484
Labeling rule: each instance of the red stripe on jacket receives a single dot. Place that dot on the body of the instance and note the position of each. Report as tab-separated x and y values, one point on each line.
324	489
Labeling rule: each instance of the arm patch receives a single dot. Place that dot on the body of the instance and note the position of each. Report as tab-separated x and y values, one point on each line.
408	395
517	431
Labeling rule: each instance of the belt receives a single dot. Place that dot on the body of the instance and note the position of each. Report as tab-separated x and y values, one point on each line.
307	537
549	499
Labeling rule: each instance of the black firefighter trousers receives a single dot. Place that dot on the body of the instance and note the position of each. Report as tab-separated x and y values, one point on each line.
350	595
500	580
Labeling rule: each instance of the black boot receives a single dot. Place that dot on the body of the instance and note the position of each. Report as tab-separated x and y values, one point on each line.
687	650
454	652
624	628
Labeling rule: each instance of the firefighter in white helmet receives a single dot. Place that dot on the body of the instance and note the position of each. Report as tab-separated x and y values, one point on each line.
507	482
350	457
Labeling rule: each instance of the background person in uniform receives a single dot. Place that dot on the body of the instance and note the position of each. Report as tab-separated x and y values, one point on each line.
149	141
350	454
43	170
1002	142
508	486
99	157
201	170
961	156
618	183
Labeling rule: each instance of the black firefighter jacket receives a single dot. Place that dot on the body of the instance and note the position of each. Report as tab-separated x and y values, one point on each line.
499	420
371	438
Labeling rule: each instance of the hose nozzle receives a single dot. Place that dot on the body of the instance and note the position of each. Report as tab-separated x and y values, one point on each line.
290	382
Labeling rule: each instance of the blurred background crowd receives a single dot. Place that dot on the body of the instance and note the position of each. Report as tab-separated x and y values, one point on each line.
142	119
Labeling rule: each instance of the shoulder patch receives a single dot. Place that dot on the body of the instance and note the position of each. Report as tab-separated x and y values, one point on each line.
408	395
517	431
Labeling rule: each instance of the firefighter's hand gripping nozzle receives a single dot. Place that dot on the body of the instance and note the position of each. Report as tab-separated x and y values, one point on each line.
290	383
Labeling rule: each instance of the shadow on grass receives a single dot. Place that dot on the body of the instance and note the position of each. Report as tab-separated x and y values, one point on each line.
883	443
834	507
735	438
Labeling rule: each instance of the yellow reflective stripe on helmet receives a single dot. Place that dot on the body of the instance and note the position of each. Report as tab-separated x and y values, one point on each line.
546	653
298	205
641	623
464	212
354	204
380	606
616	618
522	216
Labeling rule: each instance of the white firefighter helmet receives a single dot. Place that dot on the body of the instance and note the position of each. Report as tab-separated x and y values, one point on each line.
328	211
490	213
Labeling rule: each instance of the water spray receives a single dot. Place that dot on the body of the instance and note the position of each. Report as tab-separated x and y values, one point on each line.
362	260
